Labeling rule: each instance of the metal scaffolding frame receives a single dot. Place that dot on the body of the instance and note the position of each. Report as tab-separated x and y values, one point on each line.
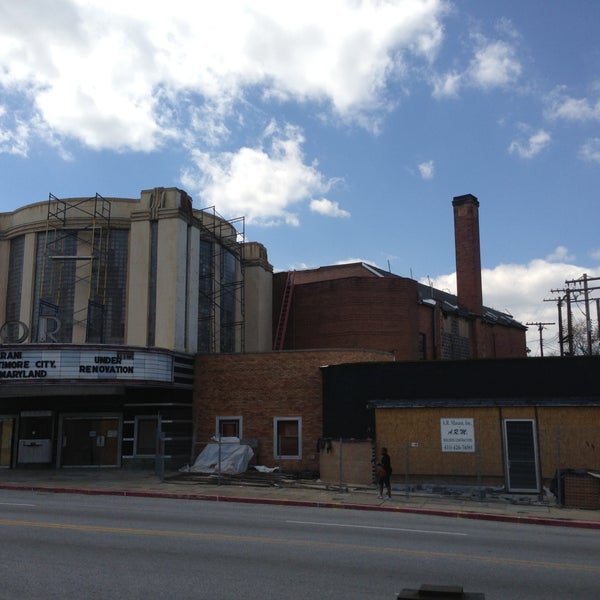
86	224
228	235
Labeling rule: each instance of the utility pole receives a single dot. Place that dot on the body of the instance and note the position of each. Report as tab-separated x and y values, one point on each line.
586	299
570	295
540	327
562	338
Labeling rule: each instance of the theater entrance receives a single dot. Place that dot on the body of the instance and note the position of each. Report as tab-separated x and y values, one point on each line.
90	441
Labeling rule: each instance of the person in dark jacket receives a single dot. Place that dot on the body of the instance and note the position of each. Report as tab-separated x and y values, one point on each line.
384	470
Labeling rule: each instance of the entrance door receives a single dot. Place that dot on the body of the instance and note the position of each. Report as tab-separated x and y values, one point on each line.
7	437
90	441
35	437
521	455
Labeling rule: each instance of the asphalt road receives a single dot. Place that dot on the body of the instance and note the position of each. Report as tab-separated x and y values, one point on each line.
76	546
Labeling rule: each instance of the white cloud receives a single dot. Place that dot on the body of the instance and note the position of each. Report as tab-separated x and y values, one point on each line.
328	208
14	139
532	146
561	255
427	169
495	64
109	74
447	85
595	254
351	261
17	133
590	151
562	106
261	182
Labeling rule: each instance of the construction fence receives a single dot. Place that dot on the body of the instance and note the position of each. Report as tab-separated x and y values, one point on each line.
561	462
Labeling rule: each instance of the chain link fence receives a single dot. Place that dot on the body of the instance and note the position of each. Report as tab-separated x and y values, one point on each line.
558	462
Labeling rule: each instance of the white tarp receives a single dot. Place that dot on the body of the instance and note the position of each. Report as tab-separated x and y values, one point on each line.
232	457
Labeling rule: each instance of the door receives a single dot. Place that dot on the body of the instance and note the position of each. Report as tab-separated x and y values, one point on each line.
90	441
7	438
35	437
521	455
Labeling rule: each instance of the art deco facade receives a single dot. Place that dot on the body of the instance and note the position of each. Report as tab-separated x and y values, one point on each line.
107	302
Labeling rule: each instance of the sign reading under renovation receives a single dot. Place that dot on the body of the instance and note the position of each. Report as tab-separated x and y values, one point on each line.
84	364
458	435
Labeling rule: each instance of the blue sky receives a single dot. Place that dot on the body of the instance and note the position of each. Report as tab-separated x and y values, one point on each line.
339	130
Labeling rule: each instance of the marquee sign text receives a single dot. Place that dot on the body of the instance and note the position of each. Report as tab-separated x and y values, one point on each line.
36	364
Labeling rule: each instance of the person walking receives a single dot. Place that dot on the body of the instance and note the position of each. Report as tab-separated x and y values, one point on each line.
384	471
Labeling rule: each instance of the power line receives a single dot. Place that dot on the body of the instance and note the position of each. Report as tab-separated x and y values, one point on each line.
540	327
571	295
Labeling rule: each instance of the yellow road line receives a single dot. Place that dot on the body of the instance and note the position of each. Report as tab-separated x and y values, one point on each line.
297	542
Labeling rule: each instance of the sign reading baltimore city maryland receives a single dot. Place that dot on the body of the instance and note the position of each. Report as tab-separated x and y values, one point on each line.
35	364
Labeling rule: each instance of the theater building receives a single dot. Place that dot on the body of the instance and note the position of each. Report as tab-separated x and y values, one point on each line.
105	305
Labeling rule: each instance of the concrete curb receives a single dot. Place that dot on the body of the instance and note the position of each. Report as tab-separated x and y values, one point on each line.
456	514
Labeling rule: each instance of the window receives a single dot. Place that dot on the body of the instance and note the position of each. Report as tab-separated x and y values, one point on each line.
106	309
288	437
229	427
54	294
146	430
152	283
422	347
228	298
205	297
15	280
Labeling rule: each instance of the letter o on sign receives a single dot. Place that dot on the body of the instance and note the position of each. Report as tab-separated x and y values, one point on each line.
14	332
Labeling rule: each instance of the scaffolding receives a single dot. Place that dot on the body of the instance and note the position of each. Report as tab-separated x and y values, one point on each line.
74	268
224	290
73	275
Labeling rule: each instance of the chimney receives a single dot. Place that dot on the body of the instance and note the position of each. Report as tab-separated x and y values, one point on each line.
468	259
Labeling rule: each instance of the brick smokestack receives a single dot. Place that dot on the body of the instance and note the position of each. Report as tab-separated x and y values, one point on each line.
468	259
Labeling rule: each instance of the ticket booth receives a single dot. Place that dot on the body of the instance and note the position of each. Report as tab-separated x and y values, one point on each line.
35	437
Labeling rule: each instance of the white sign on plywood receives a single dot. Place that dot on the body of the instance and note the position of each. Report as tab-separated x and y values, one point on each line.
458	435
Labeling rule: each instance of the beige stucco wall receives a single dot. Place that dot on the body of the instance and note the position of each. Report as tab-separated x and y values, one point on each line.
170	284
178	256
259	299
567	437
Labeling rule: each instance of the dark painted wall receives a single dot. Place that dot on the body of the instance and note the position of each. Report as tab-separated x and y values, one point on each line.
349	389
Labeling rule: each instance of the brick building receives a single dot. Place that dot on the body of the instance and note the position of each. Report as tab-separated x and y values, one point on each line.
275	398
360	306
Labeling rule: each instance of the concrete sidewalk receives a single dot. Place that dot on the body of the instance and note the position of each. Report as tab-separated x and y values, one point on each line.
497	506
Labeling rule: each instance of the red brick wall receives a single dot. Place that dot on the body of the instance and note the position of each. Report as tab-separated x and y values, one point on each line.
357	312
382	314
508	342
487	340
262	386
